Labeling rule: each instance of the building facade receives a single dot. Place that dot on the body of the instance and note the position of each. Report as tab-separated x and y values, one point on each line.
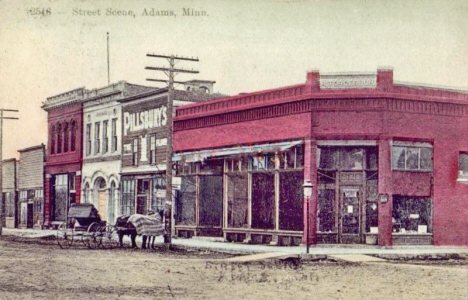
31	187
62	185
10	192
102	128
144	145
388	163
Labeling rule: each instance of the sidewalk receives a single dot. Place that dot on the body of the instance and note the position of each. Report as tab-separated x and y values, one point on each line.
217	244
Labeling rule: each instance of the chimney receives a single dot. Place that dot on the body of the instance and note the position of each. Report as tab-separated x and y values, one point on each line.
313	81
385	78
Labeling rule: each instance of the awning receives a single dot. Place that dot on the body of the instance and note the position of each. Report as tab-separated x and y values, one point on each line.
204	154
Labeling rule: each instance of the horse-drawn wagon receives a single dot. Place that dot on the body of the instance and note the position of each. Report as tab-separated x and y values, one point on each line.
84	223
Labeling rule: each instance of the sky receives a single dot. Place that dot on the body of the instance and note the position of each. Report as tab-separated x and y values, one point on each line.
48	47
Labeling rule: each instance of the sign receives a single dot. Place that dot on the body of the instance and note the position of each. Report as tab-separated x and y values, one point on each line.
151	118
348	81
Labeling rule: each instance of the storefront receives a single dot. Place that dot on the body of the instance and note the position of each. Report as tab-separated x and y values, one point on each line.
9	198
62	185
383	169
144	143
31	186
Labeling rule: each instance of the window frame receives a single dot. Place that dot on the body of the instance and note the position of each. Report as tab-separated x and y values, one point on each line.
405	147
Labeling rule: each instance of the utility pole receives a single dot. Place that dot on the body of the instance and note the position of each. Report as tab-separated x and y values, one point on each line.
2	203
170	72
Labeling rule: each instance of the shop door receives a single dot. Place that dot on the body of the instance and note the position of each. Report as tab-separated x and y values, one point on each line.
350	215
102	204
29	220
143	189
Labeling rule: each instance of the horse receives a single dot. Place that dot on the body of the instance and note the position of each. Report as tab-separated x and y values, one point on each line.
149	226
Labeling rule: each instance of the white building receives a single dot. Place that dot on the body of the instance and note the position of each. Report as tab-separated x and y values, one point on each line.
102	131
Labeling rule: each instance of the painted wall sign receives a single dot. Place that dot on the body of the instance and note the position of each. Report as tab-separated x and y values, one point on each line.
151	118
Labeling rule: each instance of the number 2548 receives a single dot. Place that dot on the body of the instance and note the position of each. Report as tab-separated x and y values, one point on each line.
38	11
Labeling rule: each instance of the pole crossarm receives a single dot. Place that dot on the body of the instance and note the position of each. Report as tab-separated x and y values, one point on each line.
173	57
4	109
172	70
165	81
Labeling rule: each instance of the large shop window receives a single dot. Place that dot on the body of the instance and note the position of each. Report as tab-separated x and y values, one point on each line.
326	210
372	206
9	209
185	203
411	158
127	202
211	200
412	214
238	200
263	200
61	197
291	198
158	200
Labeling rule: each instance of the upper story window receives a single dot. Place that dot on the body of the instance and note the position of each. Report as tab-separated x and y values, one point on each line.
52	140
59	138
114	135
463	165
135	152
152	152
73	136
105	137
88	139
97	138
412	157
66	137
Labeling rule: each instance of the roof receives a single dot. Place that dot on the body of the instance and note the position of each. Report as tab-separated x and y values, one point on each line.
178	95
37	147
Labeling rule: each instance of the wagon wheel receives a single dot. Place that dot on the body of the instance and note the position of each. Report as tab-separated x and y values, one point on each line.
64	236
92	236
109	237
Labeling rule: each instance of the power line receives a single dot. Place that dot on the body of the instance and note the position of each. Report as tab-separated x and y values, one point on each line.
170	72
2	201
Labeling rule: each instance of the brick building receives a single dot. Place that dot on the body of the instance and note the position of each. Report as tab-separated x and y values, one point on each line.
10	192
144	142
31	187
102	146
388	162
64	154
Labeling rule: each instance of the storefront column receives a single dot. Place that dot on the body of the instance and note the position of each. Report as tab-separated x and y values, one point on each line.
47	198
385	192
310	173
78	187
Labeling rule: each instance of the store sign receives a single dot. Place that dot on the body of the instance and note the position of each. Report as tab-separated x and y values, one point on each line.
147	119
341	81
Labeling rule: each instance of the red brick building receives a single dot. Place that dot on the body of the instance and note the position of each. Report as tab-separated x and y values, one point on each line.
388	162
64	154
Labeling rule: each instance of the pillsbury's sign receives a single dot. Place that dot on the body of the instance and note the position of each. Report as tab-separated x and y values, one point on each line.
151	118
341	81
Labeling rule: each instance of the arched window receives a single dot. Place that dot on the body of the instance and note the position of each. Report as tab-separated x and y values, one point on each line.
52	140
66	137
85	193
73	136
59	138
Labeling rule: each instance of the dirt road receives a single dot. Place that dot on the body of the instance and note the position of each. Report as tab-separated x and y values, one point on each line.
41	270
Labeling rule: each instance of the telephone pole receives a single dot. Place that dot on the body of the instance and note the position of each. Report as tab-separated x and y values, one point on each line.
2	203
170	72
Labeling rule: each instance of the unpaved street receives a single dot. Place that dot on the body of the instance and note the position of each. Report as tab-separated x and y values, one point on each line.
39	269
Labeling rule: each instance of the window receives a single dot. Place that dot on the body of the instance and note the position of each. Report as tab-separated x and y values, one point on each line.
59	138
135	152
97	139
411	214
88	139
127	203
463	165
73	136
85	193
409	158
152	152
52	140
66	137
158	200
114	135
105	138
